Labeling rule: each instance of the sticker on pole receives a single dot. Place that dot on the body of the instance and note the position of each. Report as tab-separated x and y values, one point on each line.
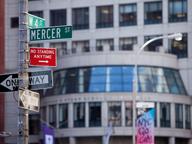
43	57
29	100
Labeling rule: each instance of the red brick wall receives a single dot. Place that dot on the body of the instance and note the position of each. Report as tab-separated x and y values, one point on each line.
2	64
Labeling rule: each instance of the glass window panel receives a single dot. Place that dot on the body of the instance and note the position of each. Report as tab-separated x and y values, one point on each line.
165	120
80	18
94	114
127	70
104	16
63	115
177	10
34	124
179	48
172	85
114	113
128	113
188	116
97	87
58	17
98	71
115	87
127	43
115	70
115	79
153	12
79	114
179	115
154	46
104	45
128	14
52	115
80	46
98	79
127	87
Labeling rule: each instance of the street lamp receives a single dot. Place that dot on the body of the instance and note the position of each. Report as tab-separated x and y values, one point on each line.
177	37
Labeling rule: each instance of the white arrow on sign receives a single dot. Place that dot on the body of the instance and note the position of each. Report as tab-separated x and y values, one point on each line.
43	61
9	82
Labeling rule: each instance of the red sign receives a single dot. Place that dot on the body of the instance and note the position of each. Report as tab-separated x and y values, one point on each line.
43	57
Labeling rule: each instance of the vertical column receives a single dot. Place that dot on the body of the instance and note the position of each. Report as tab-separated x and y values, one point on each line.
86	114
184	113
158	114
172	115
140	14
47	114
123	113
69	22
172	140
116	15
116	43
165	11
104	114
92	18
57	116
72	140
70	115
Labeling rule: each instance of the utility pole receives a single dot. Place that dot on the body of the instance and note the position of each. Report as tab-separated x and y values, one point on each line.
23	53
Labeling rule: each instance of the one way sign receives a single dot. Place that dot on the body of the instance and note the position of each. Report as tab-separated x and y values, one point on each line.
37	80
9	82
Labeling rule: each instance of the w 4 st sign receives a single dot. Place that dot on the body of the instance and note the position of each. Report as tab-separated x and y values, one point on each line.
35	21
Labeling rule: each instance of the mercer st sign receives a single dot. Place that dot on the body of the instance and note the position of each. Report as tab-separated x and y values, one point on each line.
37	80
49	33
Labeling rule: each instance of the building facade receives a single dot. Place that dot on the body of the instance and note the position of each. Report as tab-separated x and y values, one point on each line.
93	82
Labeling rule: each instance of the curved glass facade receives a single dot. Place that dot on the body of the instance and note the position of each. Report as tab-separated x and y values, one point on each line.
116	79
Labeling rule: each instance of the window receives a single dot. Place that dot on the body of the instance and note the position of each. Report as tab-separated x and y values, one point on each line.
97	79
177	10
105	45
179	48
61	48
153	12
116	79
43	113
63	116
187	116
79	114
152	80
127	14
37	13
165	116
114	113
58	17
15	22
36	45
179	115
127	43
94	114
34	124
52	115
174	82
80	46
154	46
104	16
128	113
80	18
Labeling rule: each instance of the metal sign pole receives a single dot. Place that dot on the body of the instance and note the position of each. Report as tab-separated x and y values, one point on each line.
23	119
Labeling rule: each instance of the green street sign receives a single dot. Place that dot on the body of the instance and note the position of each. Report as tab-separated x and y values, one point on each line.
35	21
49	33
